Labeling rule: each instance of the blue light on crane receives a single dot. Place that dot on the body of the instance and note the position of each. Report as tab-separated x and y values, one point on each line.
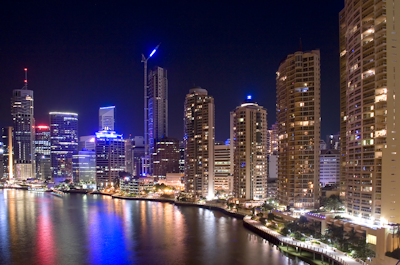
153	52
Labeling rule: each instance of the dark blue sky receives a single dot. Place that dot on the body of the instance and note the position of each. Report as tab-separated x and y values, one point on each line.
85	54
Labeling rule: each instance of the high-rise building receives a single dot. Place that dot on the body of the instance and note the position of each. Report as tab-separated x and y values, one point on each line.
106	118
64	143
272	139
369	58
84	166
87	142
23	122
333	141
110	158
8	153
158	110
249	144
298	118
222	166
42	152
165	157
329	167
199	127
181	157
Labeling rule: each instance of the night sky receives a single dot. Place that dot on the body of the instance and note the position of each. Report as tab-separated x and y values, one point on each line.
82	55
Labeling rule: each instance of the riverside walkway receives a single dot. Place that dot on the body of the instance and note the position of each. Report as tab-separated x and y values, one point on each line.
336	255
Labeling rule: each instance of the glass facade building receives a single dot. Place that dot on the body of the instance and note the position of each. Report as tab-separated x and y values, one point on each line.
42	152
64	144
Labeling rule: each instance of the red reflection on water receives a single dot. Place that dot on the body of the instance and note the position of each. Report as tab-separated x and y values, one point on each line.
45	239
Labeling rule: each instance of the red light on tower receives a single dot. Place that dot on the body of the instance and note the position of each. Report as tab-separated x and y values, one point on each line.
25	69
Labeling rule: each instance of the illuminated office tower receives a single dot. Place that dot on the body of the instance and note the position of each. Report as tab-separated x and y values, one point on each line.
369	58
166	157
299	125
249	144
42	152
110	158
64	143
272	139
87	142
84	166
106	118
8	152
23	122
222	166
158	110
199	127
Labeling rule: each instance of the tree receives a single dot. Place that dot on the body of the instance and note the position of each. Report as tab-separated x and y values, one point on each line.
271	217
333	203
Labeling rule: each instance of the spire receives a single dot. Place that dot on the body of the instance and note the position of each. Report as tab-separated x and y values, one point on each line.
26	79
300	46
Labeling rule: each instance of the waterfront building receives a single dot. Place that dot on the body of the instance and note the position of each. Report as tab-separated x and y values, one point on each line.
84	166
249	145
23	123
329	167
110	158
369	57
299	123
222	166
42	152
64	143
106	118
173	180
136	185
8	153
199	128
165	157
157	125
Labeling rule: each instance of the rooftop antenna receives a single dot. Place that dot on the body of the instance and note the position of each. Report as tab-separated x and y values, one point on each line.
26	79
300	46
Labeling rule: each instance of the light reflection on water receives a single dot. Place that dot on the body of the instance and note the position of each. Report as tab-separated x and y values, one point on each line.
39	228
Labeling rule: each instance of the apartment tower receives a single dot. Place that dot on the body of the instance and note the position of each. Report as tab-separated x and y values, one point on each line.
158	110
199	139
369	58
298	118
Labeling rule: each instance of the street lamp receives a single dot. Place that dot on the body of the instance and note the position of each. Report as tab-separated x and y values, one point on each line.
146	110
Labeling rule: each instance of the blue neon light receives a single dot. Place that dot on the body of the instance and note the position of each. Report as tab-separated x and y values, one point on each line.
153	52
110	107
108	134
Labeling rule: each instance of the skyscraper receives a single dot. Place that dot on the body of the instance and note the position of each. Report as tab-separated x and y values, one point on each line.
166	157
42	152
222	166
158	109
110	158
329	167
8	153
298	118
23	121
106	118
369	57
249	144
64	143
199	127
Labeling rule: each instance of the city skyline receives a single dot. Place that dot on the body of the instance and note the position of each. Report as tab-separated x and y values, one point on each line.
85	72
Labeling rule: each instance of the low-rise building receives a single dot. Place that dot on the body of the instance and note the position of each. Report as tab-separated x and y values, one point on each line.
136	185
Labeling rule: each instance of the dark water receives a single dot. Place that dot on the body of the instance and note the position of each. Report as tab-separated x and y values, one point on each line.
39	228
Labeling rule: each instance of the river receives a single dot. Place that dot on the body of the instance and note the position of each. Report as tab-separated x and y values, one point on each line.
40	228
